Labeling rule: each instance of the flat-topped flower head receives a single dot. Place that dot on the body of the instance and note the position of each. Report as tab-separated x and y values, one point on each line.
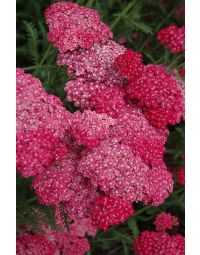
165	221
55	185
35	244
108	211
90	128
37	150
146	141
129	64
94	64
159	243
113	167
120	174
160	185
81	92
159	94
72	26
173	37
68	243
37	109
109	101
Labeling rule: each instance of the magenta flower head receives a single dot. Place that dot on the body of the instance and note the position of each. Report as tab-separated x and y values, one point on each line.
37	150
108	211
165	221
35	244
159	243
160	95
173	37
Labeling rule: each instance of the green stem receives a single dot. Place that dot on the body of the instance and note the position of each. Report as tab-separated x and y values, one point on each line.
45	55
156	29
150	57
124	237
115	22
178	191
37	67
142	210
31	199
90	3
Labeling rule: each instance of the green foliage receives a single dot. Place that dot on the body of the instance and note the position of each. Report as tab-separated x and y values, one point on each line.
143	17
29	213
32	41
64	216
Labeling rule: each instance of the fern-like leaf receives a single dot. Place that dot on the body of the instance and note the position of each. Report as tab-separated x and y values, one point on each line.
64	216
138	26
32	43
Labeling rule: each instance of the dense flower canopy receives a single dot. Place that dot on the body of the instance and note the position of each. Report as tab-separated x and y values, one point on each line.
99	161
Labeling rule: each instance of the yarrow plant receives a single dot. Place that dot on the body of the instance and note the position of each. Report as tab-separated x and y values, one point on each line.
95	165
160	242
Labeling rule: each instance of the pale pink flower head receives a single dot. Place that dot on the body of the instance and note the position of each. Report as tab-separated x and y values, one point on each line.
160	185
173	37
108	211
72	26
165	221
113	167
94	64
56	184
90	128
37	109
146	141
37	150
70	244
159	243
35	244
81	92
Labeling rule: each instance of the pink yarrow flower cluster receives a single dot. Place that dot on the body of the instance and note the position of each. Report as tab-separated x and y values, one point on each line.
160	242
101	159
108	211
115	131
35	244
37	150
165	221
158	93
72	26
41	126
173	37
